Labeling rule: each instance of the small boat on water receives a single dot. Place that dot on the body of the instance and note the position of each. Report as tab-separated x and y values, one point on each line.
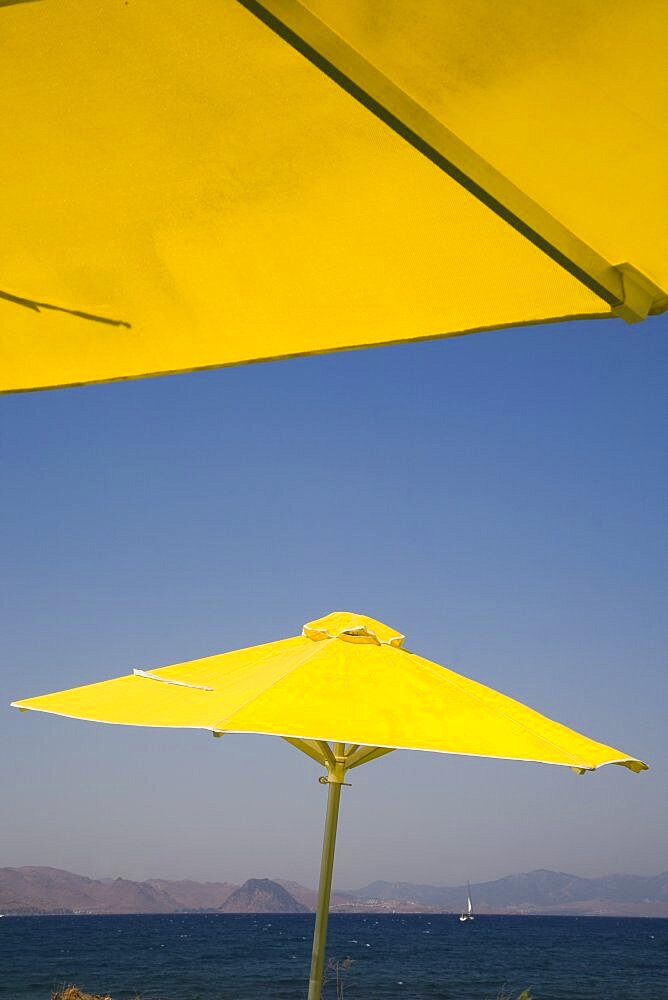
468	912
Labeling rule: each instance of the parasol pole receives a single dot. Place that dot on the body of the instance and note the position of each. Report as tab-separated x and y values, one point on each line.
336	770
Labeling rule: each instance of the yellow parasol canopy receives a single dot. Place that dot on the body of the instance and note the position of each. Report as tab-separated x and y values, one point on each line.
186	186
346	679
343	692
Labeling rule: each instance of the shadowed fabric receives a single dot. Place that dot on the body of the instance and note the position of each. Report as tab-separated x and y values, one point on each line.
345	680
183	190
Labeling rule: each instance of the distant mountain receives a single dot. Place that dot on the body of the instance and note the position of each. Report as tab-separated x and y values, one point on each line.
188	895
45	890
309	897
125	896
50	890
261	895
534	892
35	890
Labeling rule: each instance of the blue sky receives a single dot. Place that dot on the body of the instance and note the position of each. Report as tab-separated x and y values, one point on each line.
500	498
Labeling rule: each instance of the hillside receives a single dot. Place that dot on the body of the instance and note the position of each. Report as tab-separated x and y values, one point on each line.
36	890
189	895
261	895
39	890
534	892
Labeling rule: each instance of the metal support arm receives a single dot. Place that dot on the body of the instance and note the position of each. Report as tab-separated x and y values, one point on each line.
365	754
311	748
628	292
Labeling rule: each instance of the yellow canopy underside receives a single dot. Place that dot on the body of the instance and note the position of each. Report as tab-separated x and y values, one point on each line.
336	688
181	189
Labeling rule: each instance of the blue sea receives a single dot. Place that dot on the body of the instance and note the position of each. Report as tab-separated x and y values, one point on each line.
239	957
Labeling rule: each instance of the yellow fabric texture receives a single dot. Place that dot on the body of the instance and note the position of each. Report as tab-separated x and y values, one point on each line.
568	100
182	190
369	693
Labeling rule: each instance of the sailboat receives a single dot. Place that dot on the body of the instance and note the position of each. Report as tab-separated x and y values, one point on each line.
468	913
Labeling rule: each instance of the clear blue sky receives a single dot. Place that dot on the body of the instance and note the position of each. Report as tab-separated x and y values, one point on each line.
500	498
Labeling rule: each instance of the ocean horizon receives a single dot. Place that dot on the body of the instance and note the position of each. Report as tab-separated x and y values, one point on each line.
410	956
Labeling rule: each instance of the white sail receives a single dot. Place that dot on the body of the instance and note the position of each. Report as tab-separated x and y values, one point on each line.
468	915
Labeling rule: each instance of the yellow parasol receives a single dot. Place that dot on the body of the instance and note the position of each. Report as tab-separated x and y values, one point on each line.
182	189
344	692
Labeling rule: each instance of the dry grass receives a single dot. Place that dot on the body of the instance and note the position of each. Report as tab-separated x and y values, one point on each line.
334	969
72	993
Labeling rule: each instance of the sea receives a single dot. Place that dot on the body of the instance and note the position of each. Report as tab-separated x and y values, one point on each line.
379	957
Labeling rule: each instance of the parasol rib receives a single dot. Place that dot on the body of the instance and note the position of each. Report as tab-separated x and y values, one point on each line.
628	292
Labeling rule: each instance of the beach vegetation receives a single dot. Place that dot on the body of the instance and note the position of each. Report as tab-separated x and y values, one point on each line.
74	993
336	973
